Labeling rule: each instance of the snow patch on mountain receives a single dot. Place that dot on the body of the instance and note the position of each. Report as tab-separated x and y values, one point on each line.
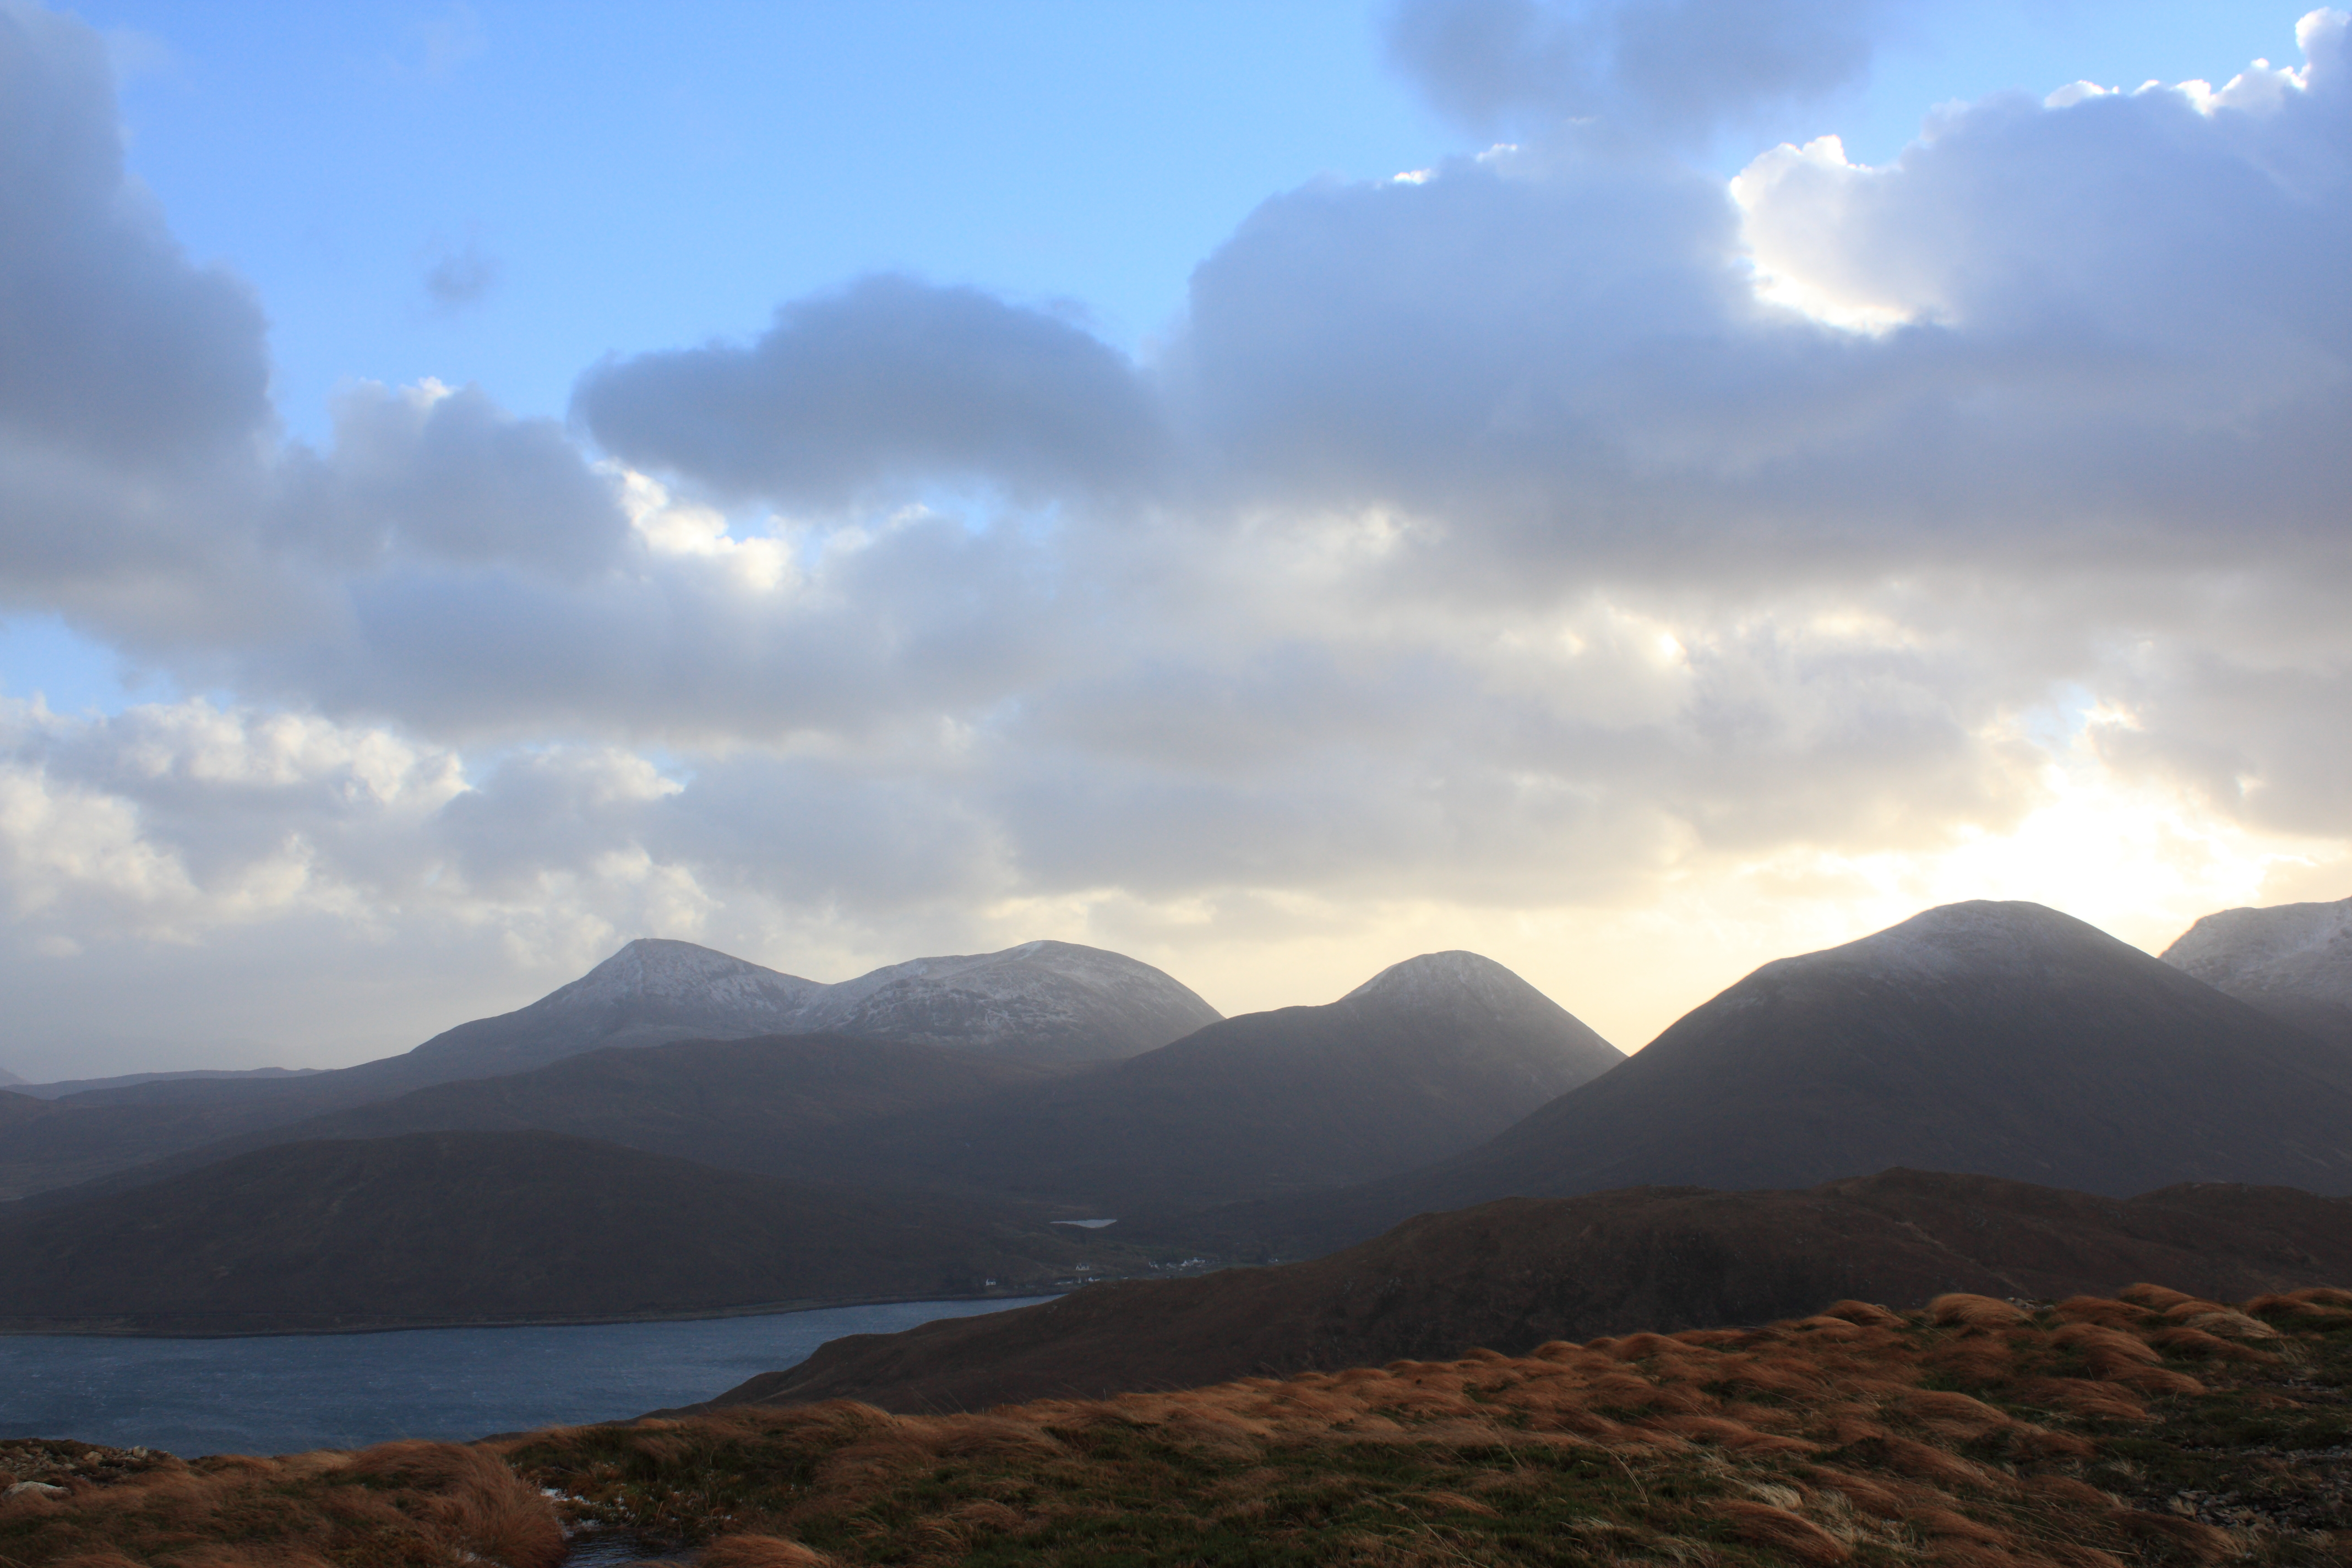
2304	951
1053	999
1448	976
657	970
1980	940
1455	991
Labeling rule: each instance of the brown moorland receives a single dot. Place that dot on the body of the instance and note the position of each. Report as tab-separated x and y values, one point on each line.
2152	1427
1509	1275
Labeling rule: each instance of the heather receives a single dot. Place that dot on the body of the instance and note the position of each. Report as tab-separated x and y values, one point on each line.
2150	1427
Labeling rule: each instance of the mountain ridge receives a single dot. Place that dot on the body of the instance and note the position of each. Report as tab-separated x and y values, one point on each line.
2292	961
2001	1039
1056	1001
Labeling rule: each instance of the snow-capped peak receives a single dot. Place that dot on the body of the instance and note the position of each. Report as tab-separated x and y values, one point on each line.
657	969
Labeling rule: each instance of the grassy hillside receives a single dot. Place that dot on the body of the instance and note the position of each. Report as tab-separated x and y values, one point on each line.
2148	1430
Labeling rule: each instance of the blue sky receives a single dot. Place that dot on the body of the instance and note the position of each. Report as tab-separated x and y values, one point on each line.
636	182
587	181
1038	473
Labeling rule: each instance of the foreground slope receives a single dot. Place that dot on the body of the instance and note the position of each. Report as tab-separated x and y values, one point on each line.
2292	961
1507	1276
2005	1039
482	1227
1427	1059
2152	1429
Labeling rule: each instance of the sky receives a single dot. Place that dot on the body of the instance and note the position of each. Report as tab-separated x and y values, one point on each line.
1633	488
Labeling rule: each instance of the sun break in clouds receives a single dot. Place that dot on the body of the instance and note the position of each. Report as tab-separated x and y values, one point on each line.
1563	551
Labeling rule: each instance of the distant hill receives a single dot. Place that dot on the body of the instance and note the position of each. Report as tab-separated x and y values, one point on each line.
1429	1058
778	1105
58	1089
2292	961
1508	1276
2002	1039
481	1227
1045	1001
1042	1000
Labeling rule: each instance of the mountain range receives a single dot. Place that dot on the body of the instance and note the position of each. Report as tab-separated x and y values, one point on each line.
1010	1091
1042	1001
2002	1039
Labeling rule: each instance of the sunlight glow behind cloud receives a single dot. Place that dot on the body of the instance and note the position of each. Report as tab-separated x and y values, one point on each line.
1561	551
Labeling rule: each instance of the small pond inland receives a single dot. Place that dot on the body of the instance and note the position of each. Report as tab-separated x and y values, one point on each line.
284	1394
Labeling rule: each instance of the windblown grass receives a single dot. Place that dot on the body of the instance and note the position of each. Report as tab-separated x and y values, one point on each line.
400	1505
1977	1434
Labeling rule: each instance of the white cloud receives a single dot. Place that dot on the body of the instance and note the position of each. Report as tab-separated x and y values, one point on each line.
1485	561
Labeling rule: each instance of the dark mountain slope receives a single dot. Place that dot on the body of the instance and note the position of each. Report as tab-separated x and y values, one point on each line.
773	1105
1508	1276
1046	1000
1427	1059
648	993
473	1228
2292	961
2003	1039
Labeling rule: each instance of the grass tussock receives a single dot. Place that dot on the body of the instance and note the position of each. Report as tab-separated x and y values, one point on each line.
403	1504
2094	1434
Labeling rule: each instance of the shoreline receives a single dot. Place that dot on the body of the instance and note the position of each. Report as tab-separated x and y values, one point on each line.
97	1329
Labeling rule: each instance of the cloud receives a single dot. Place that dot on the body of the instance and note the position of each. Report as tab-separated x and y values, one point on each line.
1554	534
1671	66
456	277
117	352
444	475
887	383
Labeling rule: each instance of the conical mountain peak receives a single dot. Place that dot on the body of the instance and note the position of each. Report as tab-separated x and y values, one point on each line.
1435	976
2002	1038
1980	938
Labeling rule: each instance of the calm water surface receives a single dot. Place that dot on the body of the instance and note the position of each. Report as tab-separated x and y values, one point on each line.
285	1394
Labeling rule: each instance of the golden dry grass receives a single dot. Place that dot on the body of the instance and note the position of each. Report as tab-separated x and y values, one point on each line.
1975	1433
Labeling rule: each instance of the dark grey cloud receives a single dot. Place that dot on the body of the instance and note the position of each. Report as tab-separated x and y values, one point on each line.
1481	535
887	384
440	474
1673	66
142	488
113	348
